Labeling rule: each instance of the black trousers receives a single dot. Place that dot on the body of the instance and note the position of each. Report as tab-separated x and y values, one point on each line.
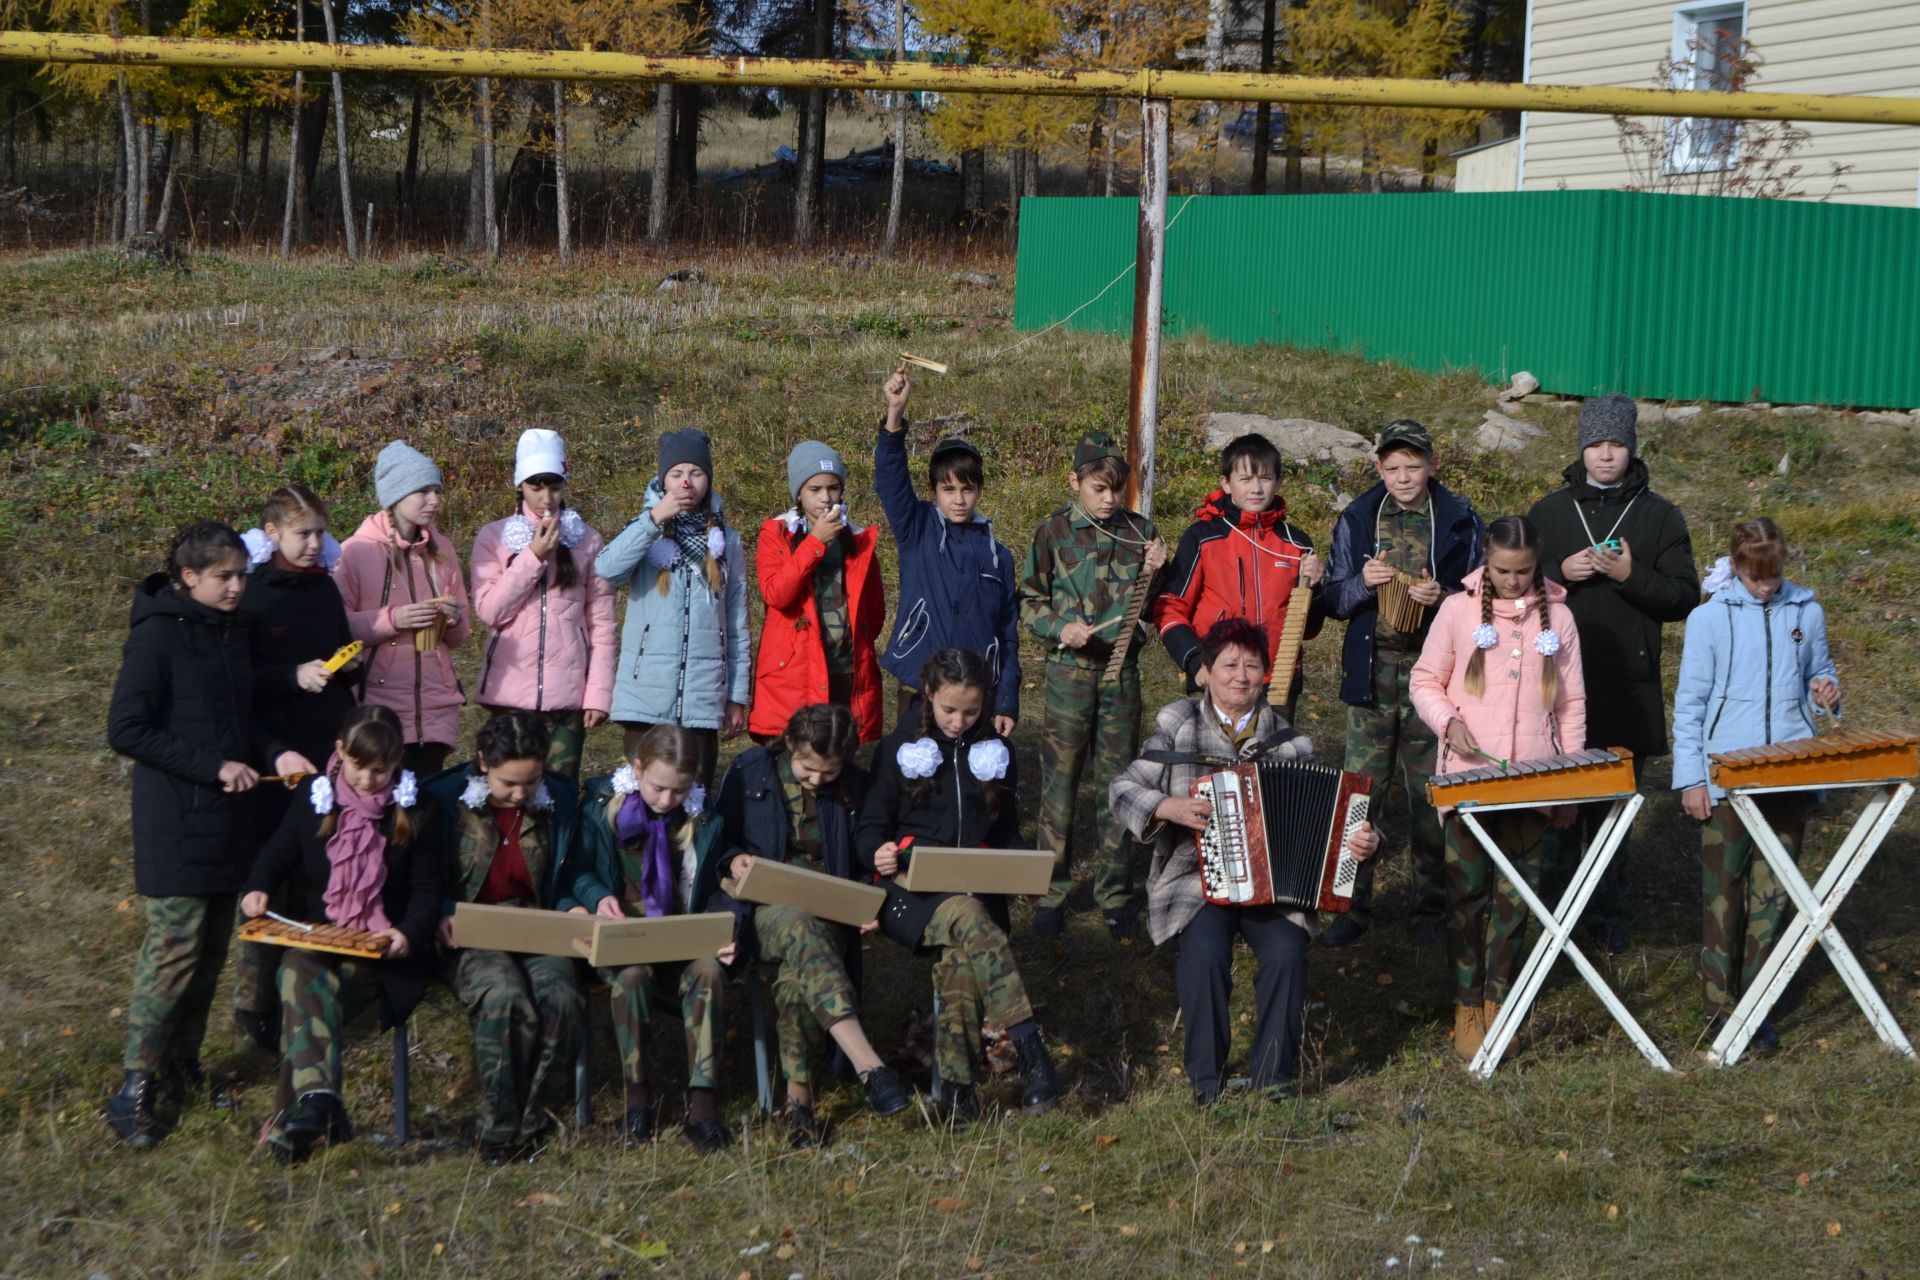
1203	980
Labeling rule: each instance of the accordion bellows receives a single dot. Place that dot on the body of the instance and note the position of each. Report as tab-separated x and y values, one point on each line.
1278	835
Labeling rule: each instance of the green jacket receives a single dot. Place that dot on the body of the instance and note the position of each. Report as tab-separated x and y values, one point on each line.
548	838
1078	570
597	871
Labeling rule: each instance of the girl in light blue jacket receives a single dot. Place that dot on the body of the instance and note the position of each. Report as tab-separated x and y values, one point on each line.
1755	671
685	656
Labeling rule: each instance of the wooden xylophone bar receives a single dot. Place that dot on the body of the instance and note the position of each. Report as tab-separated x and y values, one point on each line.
1836	759
330	938
1569	778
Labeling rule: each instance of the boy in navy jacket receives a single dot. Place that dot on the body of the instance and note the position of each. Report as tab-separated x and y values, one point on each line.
958	586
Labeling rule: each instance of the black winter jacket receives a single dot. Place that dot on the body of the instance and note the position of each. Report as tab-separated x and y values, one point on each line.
295	858
183	706
952	814
293	617
1620	622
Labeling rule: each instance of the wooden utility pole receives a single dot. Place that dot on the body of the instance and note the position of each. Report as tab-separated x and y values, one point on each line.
1149	277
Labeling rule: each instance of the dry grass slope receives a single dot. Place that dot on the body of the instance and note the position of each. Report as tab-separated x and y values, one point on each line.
133	400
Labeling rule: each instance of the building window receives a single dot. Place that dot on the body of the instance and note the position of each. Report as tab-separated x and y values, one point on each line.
1709	43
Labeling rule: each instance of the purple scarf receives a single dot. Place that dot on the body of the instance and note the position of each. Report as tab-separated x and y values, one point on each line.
656	869
357	854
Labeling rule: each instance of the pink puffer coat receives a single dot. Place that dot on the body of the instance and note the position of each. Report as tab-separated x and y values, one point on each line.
551	648
378	572
1507	719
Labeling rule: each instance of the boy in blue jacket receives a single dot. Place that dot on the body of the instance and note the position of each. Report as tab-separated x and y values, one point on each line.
958	586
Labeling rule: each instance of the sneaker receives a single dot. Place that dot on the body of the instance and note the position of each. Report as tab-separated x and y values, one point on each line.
708	1137
130	1112
640	1126
1120	924
262	1030
1040	1090
804	1130
1343	932
1049	922
885	1094
963	1106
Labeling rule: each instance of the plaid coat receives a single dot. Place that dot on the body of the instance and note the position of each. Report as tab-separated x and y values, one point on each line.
1189	726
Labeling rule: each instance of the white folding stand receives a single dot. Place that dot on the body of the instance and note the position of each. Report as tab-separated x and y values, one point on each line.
1556	934
1815	908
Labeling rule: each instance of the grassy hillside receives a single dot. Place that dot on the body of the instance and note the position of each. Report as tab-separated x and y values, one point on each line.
133	400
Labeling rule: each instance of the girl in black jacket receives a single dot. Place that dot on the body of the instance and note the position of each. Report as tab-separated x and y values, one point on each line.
361	851
183	709
295	622
792	802
951	782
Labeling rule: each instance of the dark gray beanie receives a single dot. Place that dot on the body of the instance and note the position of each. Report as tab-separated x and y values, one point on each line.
400	470
690	445
1610	417
811	458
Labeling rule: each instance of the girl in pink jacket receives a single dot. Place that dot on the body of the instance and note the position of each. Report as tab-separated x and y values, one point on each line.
554	640
1498	680
407	602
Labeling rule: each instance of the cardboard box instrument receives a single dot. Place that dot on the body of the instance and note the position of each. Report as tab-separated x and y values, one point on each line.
776	884
526	930
935	869
655	939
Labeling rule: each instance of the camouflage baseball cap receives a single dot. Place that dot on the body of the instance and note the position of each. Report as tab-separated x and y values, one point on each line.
1403	433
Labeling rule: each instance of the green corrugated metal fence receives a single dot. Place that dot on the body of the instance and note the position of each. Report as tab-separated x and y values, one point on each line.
1662	297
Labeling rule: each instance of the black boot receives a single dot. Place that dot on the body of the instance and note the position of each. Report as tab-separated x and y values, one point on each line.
641	1123
804	1130
1049	922
130	1111
1039	1088
963	1106
709	1137
262	1030
186	1081
316	1120
885	1094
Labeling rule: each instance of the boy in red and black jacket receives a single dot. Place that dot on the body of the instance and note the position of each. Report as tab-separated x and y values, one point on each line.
1240	558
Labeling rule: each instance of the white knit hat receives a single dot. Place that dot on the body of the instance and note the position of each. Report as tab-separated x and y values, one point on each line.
541	453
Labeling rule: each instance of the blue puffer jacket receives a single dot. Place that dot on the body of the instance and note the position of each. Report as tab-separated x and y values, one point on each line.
686	654
958	587
1744	675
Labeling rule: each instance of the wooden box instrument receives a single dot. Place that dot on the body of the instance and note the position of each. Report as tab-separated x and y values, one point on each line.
655	939
1286	656
1849	756
532	931
1279	833
934	869
1397	608
775	884
320	937
1574	778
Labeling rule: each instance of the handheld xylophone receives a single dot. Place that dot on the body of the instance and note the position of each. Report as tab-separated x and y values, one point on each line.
1129	625
1401	610
1850	756
1287	655
319	937
1573	778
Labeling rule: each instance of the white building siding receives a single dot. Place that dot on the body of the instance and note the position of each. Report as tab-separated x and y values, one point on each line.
1809	46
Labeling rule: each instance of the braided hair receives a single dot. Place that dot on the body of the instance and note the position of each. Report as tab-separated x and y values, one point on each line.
371	737
1514	533
968	670
715	568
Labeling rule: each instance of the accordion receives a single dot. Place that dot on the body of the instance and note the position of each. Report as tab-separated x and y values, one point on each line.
1279	833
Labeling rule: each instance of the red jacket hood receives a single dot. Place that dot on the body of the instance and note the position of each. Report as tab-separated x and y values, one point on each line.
1218	506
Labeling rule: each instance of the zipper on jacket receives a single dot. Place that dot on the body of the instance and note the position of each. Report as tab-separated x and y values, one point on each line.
1726	691
1766	622
540	660
959	806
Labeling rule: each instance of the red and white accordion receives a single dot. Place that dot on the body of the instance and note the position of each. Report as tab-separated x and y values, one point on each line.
1279	834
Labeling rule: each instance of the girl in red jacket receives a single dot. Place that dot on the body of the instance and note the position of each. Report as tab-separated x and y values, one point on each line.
825	604
554	640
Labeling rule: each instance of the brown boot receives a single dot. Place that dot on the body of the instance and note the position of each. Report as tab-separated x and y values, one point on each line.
1468	1030
1488	1012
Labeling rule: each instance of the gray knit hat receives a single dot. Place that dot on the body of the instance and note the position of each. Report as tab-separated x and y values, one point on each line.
1610	417
401	470
811	458
689	445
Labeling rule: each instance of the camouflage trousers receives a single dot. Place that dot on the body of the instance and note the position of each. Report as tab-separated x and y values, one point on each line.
256	968
320	995
1087	716
1487	925
976	979
1744	905
1389	743
528	1016
569	740
176	977
702	1013
811	991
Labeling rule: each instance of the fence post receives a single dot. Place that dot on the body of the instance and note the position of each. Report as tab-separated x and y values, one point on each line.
1149	274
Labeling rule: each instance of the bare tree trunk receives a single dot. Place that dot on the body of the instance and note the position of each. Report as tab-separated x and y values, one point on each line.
293	171
1212	117
130	135
897	196
410	178
476	181
810	174
341	152
1263	114
266	158
973	179
1096	139
1113	138
242	152
562	215
1016	184
486	167
172	164
662	163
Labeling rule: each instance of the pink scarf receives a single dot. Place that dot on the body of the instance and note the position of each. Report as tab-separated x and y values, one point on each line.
357	852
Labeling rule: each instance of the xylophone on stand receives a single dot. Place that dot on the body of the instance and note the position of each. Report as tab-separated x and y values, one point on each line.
1885	763
1580	777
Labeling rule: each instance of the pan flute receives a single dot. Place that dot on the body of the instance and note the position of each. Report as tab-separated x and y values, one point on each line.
1286	655
1850	756
320	937
1398	609
1278	835
1573	778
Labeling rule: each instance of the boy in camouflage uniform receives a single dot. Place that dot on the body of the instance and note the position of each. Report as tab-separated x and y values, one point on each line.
1085	562
1410	523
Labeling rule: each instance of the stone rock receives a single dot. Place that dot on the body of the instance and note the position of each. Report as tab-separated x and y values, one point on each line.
1646	411
1523	384
1341	501
979	279
1760	406
1888	419
1498	432
1682	412
1295	438
1742	410
1795	411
